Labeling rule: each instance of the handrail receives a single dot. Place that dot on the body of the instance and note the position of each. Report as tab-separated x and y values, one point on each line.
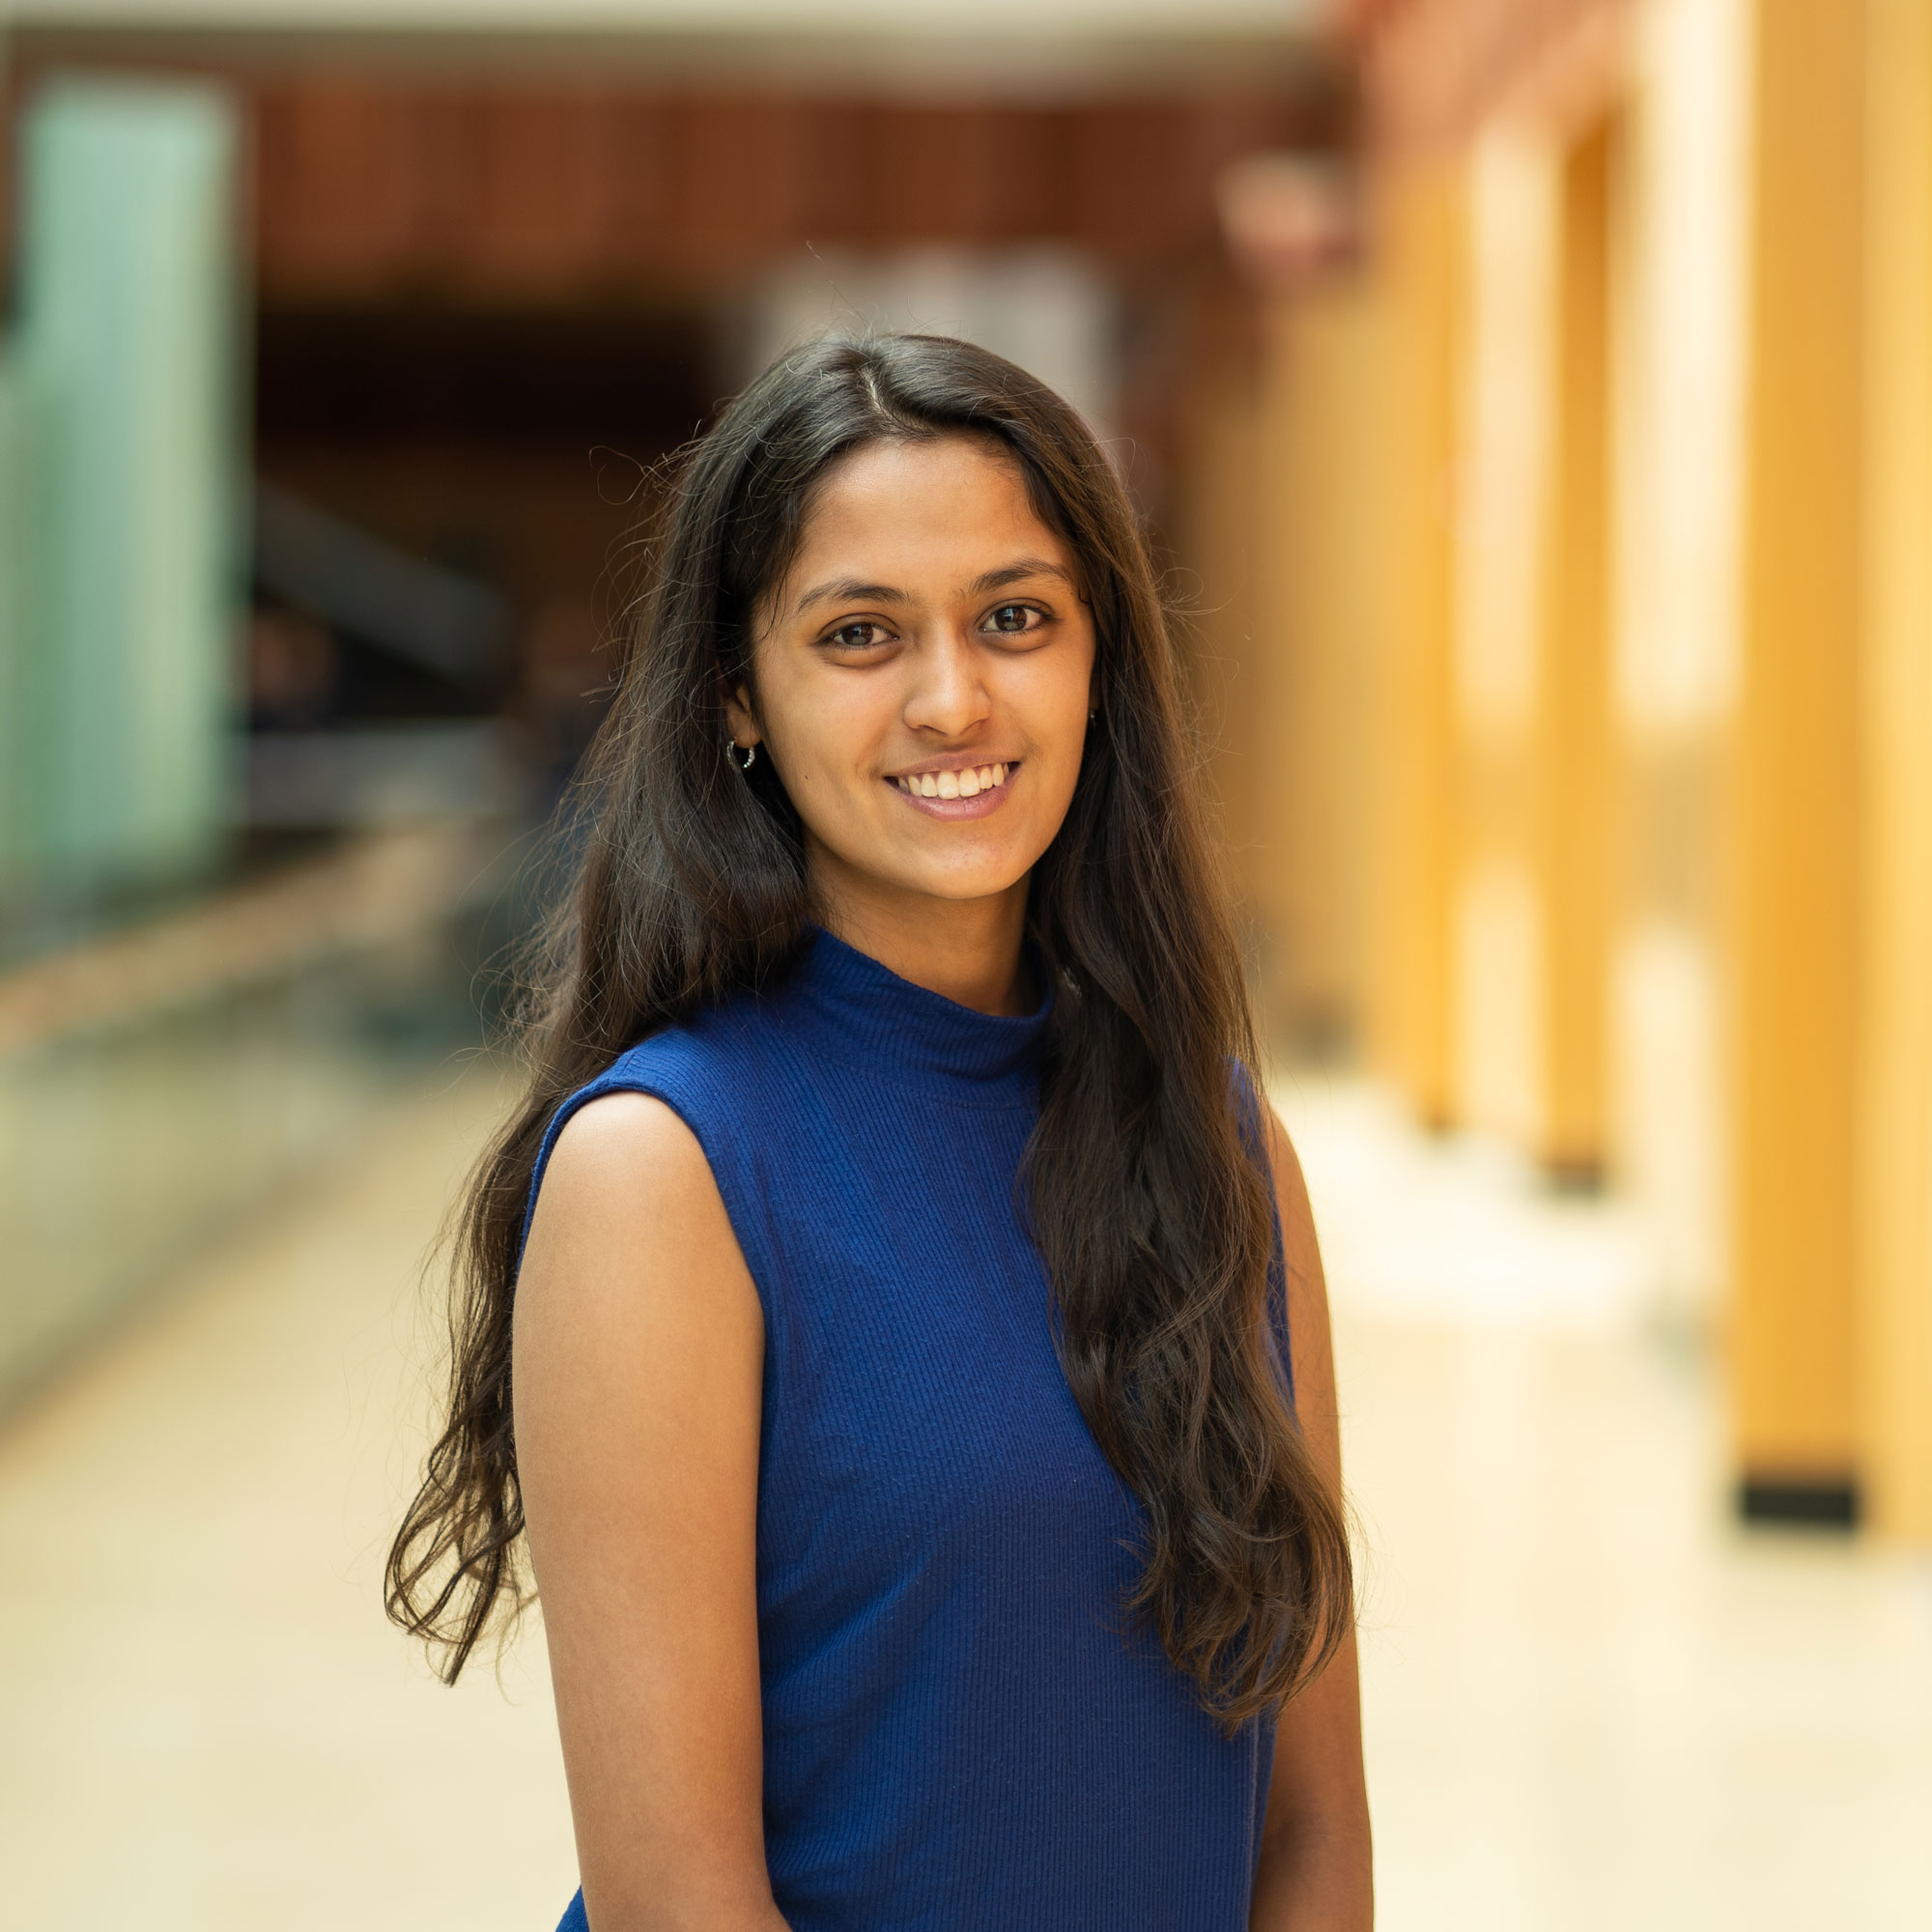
382	886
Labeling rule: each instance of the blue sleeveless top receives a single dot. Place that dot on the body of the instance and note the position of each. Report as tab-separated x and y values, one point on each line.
962	1732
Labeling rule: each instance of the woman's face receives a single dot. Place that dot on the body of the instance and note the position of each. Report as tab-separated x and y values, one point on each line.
923	677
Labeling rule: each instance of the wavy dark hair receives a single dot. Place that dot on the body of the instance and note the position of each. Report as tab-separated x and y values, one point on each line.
1145	1183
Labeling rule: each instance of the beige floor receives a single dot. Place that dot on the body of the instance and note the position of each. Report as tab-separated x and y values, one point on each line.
1590	1702
208	1723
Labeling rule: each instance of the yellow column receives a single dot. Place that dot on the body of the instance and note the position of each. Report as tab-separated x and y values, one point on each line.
1215	508
1419	244
1503	474
1316	563
1896	1048
1794	937
1265	709
1573	729
1681	305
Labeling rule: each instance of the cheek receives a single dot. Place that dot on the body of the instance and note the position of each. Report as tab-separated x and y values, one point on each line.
1057	698
823	727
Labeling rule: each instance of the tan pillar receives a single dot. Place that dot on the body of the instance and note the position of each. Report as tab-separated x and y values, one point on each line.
1794	901
1215	515
1895	1043
1418	244
1572	775
1497	964
1316	563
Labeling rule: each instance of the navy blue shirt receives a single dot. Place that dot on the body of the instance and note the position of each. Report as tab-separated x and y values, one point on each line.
962	1731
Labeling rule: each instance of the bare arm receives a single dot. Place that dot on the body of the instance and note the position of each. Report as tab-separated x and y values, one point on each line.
1315	1873
638	1363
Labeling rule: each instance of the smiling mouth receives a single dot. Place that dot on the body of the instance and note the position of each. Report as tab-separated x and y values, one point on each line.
967	782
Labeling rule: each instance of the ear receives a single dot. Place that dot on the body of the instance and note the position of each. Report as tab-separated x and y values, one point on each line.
740	718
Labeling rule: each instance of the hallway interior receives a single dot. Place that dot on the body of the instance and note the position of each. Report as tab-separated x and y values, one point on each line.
1592	1700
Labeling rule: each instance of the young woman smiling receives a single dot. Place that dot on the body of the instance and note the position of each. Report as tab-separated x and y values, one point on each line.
891	1312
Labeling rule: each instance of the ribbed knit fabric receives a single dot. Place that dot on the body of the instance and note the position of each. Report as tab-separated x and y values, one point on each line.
961	1731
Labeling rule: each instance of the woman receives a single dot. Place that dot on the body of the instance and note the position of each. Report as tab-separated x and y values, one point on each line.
877	1311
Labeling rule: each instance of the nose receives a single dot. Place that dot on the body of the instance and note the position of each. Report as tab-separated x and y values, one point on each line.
948	697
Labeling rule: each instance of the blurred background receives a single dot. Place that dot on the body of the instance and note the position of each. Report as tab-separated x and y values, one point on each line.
1531	402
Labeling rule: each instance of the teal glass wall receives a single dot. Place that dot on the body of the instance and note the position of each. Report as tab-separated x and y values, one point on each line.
13	734
120	427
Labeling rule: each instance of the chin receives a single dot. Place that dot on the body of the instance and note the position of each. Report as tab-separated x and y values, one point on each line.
982	881
973	885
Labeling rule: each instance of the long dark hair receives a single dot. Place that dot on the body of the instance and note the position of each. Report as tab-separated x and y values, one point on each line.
1146	1177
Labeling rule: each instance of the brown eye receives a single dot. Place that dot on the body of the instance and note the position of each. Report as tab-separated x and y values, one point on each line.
1011	620
857	636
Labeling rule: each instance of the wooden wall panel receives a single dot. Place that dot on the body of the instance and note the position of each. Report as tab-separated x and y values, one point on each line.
375	185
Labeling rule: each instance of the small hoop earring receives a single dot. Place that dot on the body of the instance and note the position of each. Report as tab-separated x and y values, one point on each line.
732	748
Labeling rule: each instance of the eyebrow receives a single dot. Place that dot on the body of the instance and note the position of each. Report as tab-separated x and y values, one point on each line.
1018	573
851	590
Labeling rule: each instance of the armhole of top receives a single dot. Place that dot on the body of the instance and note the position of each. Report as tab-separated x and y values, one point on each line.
1251	1110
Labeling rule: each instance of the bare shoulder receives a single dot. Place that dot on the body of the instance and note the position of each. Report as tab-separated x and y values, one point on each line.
628	1201
1311	1344
1291	1187
618	1140
624	1150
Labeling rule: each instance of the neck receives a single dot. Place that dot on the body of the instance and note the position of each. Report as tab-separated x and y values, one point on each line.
967	950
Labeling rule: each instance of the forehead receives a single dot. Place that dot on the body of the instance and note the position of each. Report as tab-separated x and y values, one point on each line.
931	508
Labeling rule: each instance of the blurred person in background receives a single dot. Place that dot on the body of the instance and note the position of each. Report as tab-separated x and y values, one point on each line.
892	1308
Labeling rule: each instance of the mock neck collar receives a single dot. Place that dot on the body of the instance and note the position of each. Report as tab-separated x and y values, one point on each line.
866	1006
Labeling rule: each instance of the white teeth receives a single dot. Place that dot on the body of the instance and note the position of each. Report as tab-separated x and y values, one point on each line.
969	782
